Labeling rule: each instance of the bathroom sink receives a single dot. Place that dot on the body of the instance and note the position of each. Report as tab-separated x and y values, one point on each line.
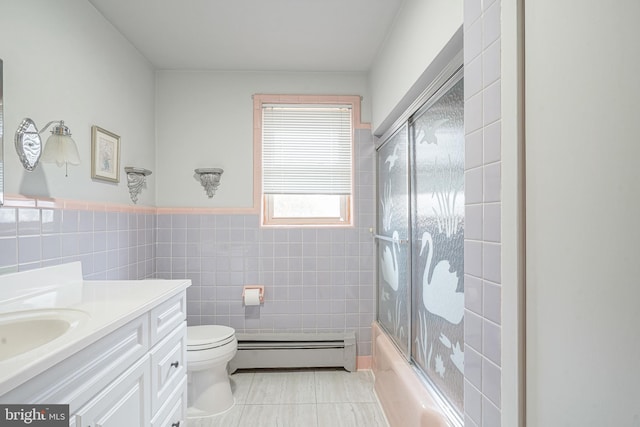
23	331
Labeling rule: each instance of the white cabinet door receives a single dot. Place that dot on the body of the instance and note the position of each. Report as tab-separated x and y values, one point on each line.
125	402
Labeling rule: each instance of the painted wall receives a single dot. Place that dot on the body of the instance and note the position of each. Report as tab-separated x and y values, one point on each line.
205	119
583	183
420	31
62	60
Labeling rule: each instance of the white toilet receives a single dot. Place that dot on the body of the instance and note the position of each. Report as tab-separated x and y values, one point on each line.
209	349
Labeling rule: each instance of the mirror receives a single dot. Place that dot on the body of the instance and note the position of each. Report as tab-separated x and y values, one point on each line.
1	139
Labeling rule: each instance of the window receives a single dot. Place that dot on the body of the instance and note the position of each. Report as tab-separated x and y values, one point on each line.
307	157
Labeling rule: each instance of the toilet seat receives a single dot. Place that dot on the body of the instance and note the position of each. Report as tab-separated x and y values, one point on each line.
206	337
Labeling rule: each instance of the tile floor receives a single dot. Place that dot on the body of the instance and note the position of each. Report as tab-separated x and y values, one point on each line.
307	398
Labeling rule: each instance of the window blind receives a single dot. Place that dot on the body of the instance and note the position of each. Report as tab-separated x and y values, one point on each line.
306	149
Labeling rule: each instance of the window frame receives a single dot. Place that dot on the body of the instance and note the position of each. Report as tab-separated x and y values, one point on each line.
265	201
269	219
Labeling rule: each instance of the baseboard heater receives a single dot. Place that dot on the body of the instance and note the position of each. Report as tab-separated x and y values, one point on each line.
295	350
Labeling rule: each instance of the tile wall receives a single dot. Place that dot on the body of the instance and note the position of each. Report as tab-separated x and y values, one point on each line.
316	279
110	245
482	262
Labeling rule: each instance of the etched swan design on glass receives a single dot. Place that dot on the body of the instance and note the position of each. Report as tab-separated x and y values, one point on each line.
391	158
389	264
439	294
387	208
428	132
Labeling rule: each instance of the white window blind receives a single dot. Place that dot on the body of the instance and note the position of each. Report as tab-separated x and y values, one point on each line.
306	149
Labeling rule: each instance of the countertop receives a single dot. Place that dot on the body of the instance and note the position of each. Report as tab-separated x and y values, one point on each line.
109	305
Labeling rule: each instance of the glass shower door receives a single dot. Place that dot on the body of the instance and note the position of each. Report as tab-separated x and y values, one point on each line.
392	239
420	241
437	133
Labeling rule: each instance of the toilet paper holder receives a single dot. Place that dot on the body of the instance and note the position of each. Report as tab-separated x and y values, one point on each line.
259	287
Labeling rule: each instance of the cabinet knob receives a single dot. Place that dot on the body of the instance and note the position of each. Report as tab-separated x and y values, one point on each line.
175	365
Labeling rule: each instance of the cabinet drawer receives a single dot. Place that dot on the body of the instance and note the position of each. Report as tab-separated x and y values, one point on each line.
168	315
168	366
173	413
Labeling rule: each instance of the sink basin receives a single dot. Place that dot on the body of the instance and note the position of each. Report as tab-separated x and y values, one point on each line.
23	331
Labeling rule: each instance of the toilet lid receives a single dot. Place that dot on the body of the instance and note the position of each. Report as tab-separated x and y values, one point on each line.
198	336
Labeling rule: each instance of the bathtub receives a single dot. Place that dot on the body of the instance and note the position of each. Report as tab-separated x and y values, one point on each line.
404	399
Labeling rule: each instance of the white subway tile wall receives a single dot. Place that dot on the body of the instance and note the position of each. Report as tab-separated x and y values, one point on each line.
490	23
473	294
473	77
482	191
473	331
473	155
473	223
473	367
491	63
473	257
473	35
472	112
491	262
490	414
492	222
491	103
491	381
473	189
492	142
472	403
492	302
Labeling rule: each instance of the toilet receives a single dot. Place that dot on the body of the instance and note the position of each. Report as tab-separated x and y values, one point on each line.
209	349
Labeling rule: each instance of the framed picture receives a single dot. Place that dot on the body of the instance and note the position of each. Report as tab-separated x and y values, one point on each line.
105	155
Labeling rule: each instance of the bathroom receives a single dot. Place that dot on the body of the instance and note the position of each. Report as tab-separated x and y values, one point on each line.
66	61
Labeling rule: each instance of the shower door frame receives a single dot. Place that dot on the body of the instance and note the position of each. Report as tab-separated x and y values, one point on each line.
449	75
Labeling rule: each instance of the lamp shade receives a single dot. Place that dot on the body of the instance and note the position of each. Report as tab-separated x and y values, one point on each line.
60	149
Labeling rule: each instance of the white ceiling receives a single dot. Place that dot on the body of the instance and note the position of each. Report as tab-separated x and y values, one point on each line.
260	35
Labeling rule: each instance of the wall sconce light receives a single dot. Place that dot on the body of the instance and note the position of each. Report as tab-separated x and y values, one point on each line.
136	178
210	179
60	148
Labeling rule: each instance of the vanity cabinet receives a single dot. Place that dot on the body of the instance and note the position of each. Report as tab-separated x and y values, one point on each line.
133	376
174	409
121	403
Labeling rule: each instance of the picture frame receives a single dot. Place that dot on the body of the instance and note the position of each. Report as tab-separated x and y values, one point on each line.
105	155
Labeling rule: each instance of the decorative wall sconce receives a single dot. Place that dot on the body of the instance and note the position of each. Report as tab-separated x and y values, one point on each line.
210	179
136	178
60	148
